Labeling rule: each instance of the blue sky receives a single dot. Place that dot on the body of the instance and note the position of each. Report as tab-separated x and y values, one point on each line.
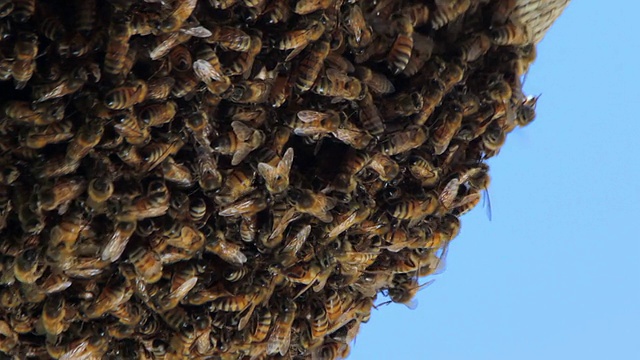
556	274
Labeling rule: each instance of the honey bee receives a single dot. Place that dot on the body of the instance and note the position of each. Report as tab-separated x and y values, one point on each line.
477	177
424	171
206	55
277	11
64	191
499	90
277	177
160	88
404	291
37	138
158	114
25	51
120	30
250	92
526	112
244	62
53	29
118	241
126	95
339	86
87	137
209	178
356	26
6	8
314	204
305	7
446	128
174	21
511	33
246	206
299	39
86	19
114	294
493	139
177	173
404	141
154	204
376	82
230	38
474	47
226	250
239	143
370	116
68	230
447	11
94	346
53	315
309	68
156	152
402	47
315	124
28	266
40	114
280	337
182	281
415	210
180	58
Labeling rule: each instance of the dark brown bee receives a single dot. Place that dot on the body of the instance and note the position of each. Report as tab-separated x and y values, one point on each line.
23	10
126	96
311	65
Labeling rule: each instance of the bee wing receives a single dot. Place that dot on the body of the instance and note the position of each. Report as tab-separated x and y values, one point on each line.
241	153
267	171
298	240
309	116
381	84
239	207
163	49
296	52
232	253
343	226
242	131
355	138
336	75
205	71
284	221
51	92
284	166
487	201
183	289
448	195
185	8
115	246
78	352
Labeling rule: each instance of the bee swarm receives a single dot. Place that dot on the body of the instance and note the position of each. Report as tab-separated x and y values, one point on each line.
238	179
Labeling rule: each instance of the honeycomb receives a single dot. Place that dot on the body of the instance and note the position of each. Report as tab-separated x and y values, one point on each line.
239	179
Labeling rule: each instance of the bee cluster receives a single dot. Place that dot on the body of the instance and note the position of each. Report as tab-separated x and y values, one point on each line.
238	179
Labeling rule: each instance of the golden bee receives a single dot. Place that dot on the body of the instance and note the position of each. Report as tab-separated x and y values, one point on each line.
356	26
239	142
87	137
230	38
37	138
126	95
402	47
62	192
314	204
526	112
315	124
209	178
154	203
309	68
226	250
415	210
277	177
446	128
174	21
29	266
298	39
280	337
376	82
158	114
370	116
447	11
424	171
118	240
339	86
404	141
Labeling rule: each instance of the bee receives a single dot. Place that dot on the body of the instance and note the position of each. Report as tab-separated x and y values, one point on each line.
115	293
118	240
177	173
230	38
156	152
447	11
174	21
315	124
37	138
299	39
23	10
499	90
206	55
154	204
370	116
526	112
262	325
305	7
182	281
376	82
280	337
86	19
183	339
236	185
244	62
415	210
67	231
6	8
53	315
62	192
235	274
493	139
40	114
226	250
25	51
424	171
474	47
404	141
209	178
346	221
120	30
52	28
402	47
159	88
309	68
158	114
198	125
352	135
216	82
314	204
28	266
250	92
94	346
278	11
246	206
126	96
339	86
239	142
180	58
277	177
87	137
446	128
403	105
511	33
418	14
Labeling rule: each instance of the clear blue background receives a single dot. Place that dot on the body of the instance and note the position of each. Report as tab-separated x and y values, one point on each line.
556	274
